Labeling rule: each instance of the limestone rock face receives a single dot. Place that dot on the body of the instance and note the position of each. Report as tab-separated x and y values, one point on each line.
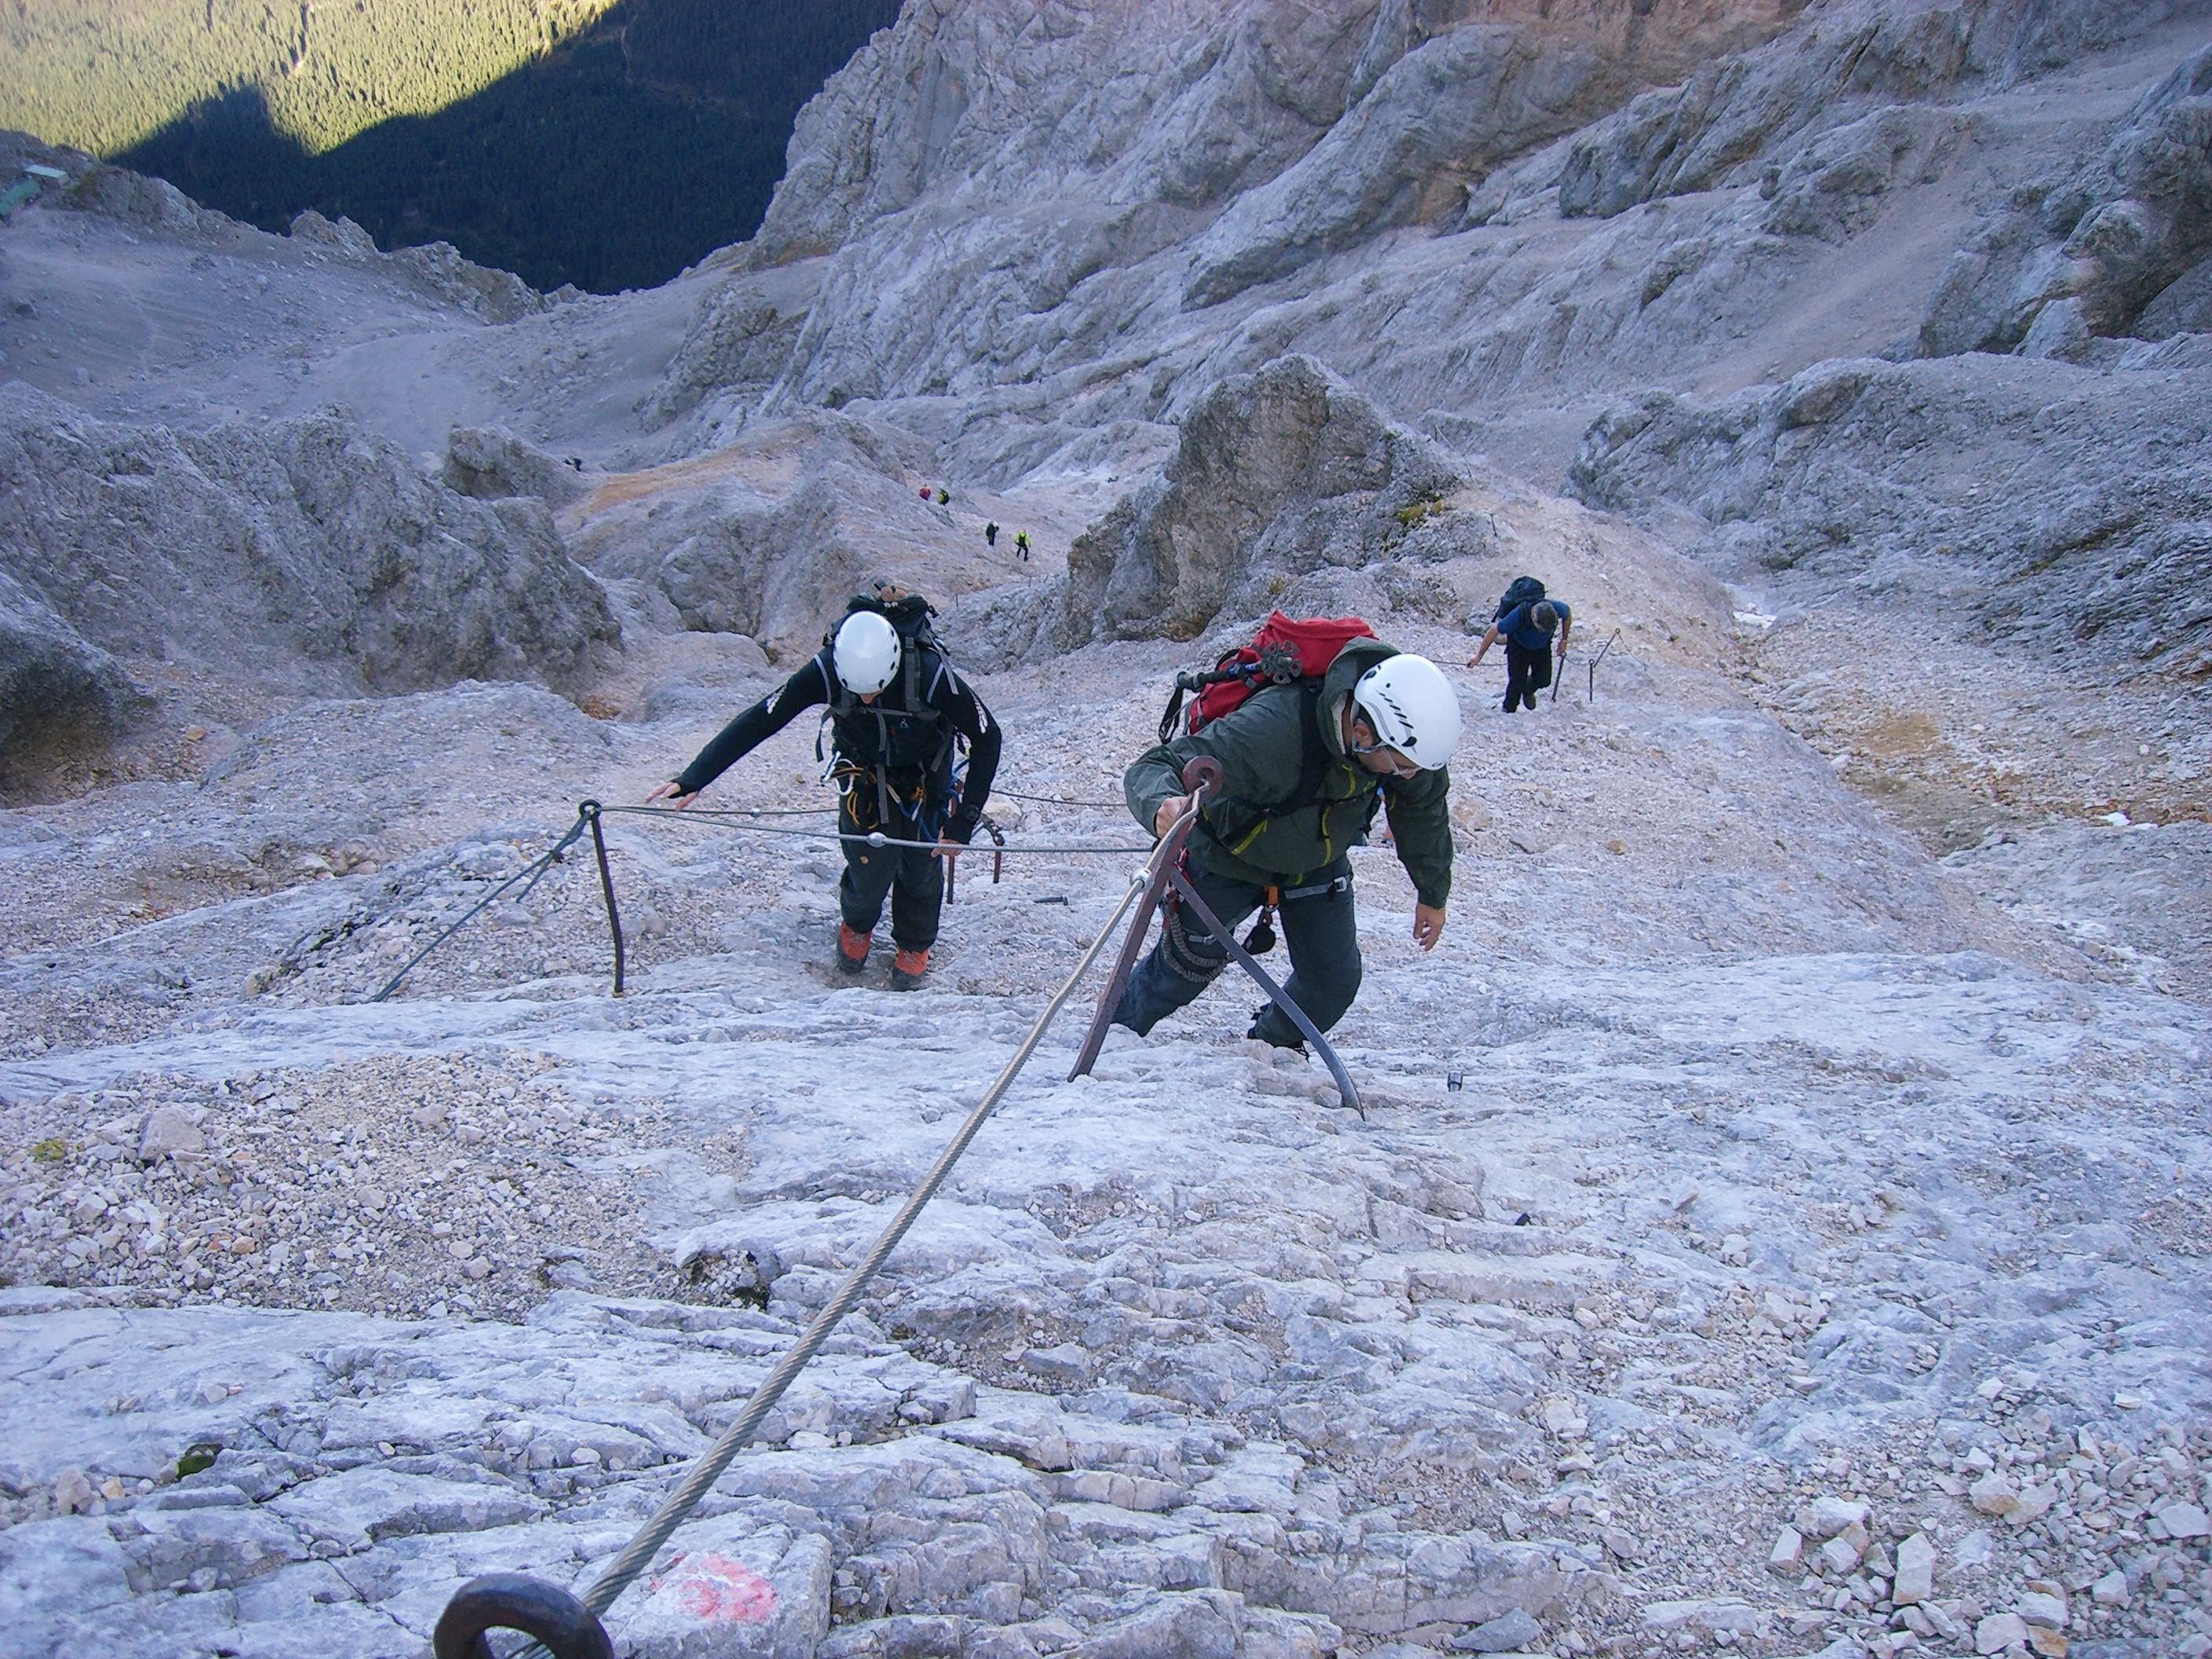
2082	517
306	549
491	463
995	191
1458	102
1844	63
1278	474
738	343
2115	246
496	296
1693	137
769	538
54	683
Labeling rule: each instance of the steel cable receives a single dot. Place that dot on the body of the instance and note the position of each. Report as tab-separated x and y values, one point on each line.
873	838
641	1549
532	870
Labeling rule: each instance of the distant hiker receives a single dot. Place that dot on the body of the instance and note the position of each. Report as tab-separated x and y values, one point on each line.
925	492
1526	620
1306	764
1022	545
895	705
944	496
991	533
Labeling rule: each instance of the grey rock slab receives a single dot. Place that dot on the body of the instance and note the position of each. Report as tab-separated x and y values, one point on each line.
169	1132
2039	541
731	1587
2098	239
1502	1634
1916	1571
311	552
367	1505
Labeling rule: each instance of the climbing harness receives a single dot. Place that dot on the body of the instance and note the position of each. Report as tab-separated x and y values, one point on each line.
568	1627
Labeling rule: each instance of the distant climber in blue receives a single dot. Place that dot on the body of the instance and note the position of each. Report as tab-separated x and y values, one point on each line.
1528	621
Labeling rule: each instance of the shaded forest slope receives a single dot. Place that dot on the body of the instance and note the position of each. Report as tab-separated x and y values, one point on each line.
608	145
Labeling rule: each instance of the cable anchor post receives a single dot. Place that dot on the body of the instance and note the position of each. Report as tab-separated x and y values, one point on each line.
998	848
589	811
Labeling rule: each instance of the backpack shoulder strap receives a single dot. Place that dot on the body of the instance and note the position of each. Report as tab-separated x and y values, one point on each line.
1313	752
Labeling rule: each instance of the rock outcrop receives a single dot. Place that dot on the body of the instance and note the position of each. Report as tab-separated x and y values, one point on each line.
2053	505
492	464
306	551
2119	245
55	685
495	296
1278	474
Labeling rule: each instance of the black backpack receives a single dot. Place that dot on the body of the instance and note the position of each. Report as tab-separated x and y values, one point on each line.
1523	590
914	736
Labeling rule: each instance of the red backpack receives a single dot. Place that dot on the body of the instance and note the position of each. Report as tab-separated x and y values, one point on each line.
1286	650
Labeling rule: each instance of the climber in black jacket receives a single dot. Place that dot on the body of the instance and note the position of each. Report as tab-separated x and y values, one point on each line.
895	707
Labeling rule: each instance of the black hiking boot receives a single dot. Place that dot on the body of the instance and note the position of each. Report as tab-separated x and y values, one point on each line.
1296	1045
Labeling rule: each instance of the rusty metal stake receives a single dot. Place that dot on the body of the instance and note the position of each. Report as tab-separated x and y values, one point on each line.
590	811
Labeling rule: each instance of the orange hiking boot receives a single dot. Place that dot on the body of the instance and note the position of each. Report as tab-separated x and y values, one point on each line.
907	969
852	948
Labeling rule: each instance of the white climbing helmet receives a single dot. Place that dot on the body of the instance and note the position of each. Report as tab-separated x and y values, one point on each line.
866	653
1412	707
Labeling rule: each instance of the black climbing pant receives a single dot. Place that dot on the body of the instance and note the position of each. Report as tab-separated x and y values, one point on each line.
1527	672
1317	924
912	878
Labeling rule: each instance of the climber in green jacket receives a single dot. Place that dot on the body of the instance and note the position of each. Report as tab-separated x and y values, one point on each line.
1304	768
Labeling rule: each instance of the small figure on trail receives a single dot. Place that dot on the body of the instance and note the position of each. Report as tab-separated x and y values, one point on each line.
991	533
925	492
896	708
1526	620
1022	545
944	496
1306	766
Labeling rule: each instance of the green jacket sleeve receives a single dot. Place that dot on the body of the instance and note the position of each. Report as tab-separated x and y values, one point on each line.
1258	747
1421	822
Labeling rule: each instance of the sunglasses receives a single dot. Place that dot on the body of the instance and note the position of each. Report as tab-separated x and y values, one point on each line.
1399	764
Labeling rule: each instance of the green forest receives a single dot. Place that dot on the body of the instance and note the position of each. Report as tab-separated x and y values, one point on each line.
604	143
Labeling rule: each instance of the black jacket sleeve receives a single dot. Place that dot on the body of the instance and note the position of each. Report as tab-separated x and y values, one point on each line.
955	699
808	689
